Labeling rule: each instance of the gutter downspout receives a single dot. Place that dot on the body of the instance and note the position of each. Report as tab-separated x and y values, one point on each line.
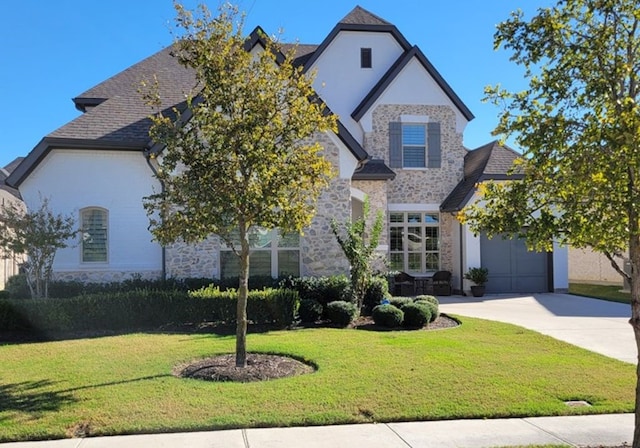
461	259
149	155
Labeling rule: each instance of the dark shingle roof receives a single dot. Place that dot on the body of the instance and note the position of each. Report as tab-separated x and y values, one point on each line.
4	174
374	169
360	16
302	52
489	162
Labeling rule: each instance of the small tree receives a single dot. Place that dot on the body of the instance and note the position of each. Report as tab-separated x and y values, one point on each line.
37	234
243	156
578	122
359	251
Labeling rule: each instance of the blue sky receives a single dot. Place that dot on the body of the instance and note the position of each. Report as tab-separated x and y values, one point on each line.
54	50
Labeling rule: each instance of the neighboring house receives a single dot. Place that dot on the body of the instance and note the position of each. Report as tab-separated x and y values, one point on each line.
9	262
588	266
399	143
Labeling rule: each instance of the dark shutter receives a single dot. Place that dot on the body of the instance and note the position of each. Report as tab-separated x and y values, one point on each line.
434	152
395	145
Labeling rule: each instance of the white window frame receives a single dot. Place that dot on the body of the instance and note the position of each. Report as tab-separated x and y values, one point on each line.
405	225
83	235
410	146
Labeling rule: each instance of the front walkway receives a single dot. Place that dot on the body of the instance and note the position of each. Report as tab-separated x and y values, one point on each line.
597	325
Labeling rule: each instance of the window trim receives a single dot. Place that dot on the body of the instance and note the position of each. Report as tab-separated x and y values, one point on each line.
274	249
366	58
405	225
425	146
81	233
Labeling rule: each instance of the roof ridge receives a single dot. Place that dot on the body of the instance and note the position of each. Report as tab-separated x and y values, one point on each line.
361	16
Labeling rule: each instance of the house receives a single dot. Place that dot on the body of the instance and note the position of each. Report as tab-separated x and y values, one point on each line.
9	262
400	143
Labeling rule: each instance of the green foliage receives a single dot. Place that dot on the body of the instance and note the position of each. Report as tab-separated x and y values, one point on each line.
17	287
377	291
38	234
320	289
310	310
479	276
388	315
247	135
399	302
341	312
432	303
359	246
416	315
145	308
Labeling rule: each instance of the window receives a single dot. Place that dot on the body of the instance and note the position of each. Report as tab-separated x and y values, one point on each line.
94	222
414	241
272	254
414	146
365	58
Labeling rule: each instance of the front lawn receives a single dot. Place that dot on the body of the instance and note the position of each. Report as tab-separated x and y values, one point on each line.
123	384
612	293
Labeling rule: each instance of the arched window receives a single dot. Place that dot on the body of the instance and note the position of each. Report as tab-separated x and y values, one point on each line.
94	224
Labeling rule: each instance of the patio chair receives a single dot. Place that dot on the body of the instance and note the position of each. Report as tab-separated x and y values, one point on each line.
441	282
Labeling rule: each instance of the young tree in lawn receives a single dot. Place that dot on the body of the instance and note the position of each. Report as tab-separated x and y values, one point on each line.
38	234
242	155
578	123
359	247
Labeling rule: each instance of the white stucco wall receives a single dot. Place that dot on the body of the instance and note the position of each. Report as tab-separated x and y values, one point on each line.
340	80
414	85
114	180
9	262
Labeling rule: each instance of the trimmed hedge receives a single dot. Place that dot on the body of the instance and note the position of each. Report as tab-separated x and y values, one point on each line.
416	314
139	309
433	304
388	315
340	312
320	289
377	291
399	302
310	310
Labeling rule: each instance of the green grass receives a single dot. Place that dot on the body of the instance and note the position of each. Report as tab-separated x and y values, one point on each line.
482	369
605	292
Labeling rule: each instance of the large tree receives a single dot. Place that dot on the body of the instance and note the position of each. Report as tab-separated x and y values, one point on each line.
37	234
243	154
578	123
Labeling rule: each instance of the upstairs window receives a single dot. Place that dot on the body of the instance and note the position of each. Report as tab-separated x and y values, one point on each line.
94	223
365	58
414	146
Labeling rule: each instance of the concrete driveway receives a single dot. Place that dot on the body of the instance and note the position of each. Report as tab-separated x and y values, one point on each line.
597	325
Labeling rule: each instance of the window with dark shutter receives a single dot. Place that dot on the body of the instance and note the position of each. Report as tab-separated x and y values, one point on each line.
365	58
434	152
395	145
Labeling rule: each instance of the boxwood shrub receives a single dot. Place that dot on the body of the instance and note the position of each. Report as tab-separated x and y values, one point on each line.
377	291
416	314
310	310
340	312
399	302
320	289
388	315
433	304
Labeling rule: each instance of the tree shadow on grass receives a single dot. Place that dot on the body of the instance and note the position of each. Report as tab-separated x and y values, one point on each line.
32	397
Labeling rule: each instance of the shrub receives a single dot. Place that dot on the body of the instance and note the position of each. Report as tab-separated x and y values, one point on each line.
340	312
5	295
433	305
388	315
320	289
146	308
17	287
416	314
399	302
310	310
377	290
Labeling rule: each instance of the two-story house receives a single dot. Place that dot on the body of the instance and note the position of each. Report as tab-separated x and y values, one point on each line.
400	142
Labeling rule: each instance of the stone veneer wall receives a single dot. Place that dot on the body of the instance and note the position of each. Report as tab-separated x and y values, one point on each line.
423	186
98	276
194	260
321	254
429	185
376	190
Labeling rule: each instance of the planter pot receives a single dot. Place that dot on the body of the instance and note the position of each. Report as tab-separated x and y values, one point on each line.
477	290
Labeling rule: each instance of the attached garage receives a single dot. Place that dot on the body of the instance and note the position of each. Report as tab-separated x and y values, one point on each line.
512	268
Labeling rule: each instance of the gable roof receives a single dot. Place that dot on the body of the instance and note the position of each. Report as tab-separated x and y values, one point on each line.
359	19
374	169
116	117
489	162
4	174
395	70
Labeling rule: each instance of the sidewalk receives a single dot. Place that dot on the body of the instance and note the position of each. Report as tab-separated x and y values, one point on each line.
591	430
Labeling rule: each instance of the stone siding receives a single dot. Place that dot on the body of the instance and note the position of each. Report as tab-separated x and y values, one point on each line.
98	276
194	260
447	257
424	186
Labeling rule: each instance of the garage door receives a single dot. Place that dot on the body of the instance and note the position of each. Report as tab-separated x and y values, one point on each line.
512	268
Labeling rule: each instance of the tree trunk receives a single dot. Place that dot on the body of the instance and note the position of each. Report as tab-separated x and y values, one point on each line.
634	255
243	292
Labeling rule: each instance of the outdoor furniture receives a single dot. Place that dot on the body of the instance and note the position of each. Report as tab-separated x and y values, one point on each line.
441	283
404	285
